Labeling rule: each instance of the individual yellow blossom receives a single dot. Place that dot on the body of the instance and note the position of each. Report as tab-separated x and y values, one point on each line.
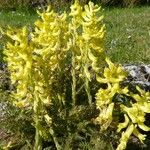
124	124
112	74
76	9
143	96
105	116
125	136
139	135
134	112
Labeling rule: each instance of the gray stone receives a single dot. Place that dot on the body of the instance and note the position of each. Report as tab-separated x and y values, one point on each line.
138	75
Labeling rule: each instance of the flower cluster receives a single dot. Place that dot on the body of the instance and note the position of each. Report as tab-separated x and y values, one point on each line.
134	112
37	59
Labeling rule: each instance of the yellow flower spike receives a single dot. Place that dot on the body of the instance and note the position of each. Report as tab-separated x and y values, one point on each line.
139	135
41	57
124	124
125	136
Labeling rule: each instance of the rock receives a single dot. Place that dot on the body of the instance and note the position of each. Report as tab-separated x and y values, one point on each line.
138	75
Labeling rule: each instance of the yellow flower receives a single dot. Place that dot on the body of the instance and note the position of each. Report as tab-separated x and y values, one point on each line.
142	97
139	135
105	116
143	127
125	136
134	112
104	96
76	9
124	124
112	74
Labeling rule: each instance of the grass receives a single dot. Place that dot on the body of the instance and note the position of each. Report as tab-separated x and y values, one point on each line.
128	31
17	17
128	34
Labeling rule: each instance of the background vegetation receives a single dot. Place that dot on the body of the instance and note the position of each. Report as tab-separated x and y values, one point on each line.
35	3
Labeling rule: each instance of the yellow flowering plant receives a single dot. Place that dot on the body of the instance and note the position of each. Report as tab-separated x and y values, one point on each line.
62	48
39	62
134	112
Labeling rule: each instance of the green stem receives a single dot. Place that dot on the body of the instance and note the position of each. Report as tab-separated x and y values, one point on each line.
73	80
38	145
87	89
87	84
58	147
73	71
